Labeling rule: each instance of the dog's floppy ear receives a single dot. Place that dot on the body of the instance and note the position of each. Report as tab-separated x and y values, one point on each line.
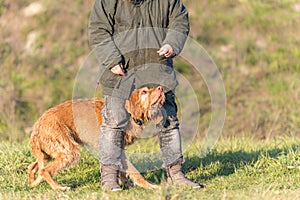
128	107
134	110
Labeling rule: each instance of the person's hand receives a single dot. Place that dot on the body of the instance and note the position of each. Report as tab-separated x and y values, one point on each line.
166	51
118	69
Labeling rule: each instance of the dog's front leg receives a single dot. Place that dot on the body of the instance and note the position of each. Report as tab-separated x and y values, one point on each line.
135	175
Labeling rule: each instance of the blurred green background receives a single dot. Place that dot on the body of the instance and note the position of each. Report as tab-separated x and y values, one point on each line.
255	44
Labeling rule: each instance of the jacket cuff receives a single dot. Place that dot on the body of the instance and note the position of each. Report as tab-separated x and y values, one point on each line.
115	62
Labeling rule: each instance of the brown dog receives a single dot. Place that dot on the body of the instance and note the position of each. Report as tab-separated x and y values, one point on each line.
60	130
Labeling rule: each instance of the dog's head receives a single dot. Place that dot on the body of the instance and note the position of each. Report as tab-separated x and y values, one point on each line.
144	103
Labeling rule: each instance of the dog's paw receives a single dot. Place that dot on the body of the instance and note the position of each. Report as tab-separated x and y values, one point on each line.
152	186
63	188
149	185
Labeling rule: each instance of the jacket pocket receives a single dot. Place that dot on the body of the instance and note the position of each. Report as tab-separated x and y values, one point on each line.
166	68
109	79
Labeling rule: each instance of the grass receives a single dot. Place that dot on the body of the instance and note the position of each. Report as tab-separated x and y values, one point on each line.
235	169
254	44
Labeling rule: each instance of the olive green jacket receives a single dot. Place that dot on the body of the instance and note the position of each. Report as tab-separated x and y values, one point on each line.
131	33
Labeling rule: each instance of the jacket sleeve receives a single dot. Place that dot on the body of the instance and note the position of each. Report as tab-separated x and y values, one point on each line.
178	28
101	30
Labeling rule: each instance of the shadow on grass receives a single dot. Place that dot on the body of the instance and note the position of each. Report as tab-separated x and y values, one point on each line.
232	160
229	162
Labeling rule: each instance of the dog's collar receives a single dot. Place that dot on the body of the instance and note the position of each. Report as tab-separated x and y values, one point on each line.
137	2
138	122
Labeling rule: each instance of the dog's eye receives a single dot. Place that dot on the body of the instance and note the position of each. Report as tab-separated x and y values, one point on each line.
143	92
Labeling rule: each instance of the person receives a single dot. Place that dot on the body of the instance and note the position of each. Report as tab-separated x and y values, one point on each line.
134	42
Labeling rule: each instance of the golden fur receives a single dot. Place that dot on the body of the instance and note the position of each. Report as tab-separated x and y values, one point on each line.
58	133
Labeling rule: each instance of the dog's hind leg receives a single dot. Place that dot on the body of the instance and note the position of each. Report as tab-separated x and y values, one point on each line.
32	169
42	159
62	160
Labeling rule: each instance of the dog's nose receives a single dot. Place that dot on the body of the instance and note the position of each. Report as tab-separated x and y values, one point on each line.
160	88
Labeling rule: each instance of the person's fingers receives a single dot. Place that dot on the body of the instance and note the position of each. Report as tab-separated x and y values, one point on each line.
166	51
118	69
169	54
162	51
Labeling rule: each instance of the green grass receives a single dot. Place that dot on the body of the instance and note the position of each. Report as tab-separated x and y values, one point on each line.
236	169
254	44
